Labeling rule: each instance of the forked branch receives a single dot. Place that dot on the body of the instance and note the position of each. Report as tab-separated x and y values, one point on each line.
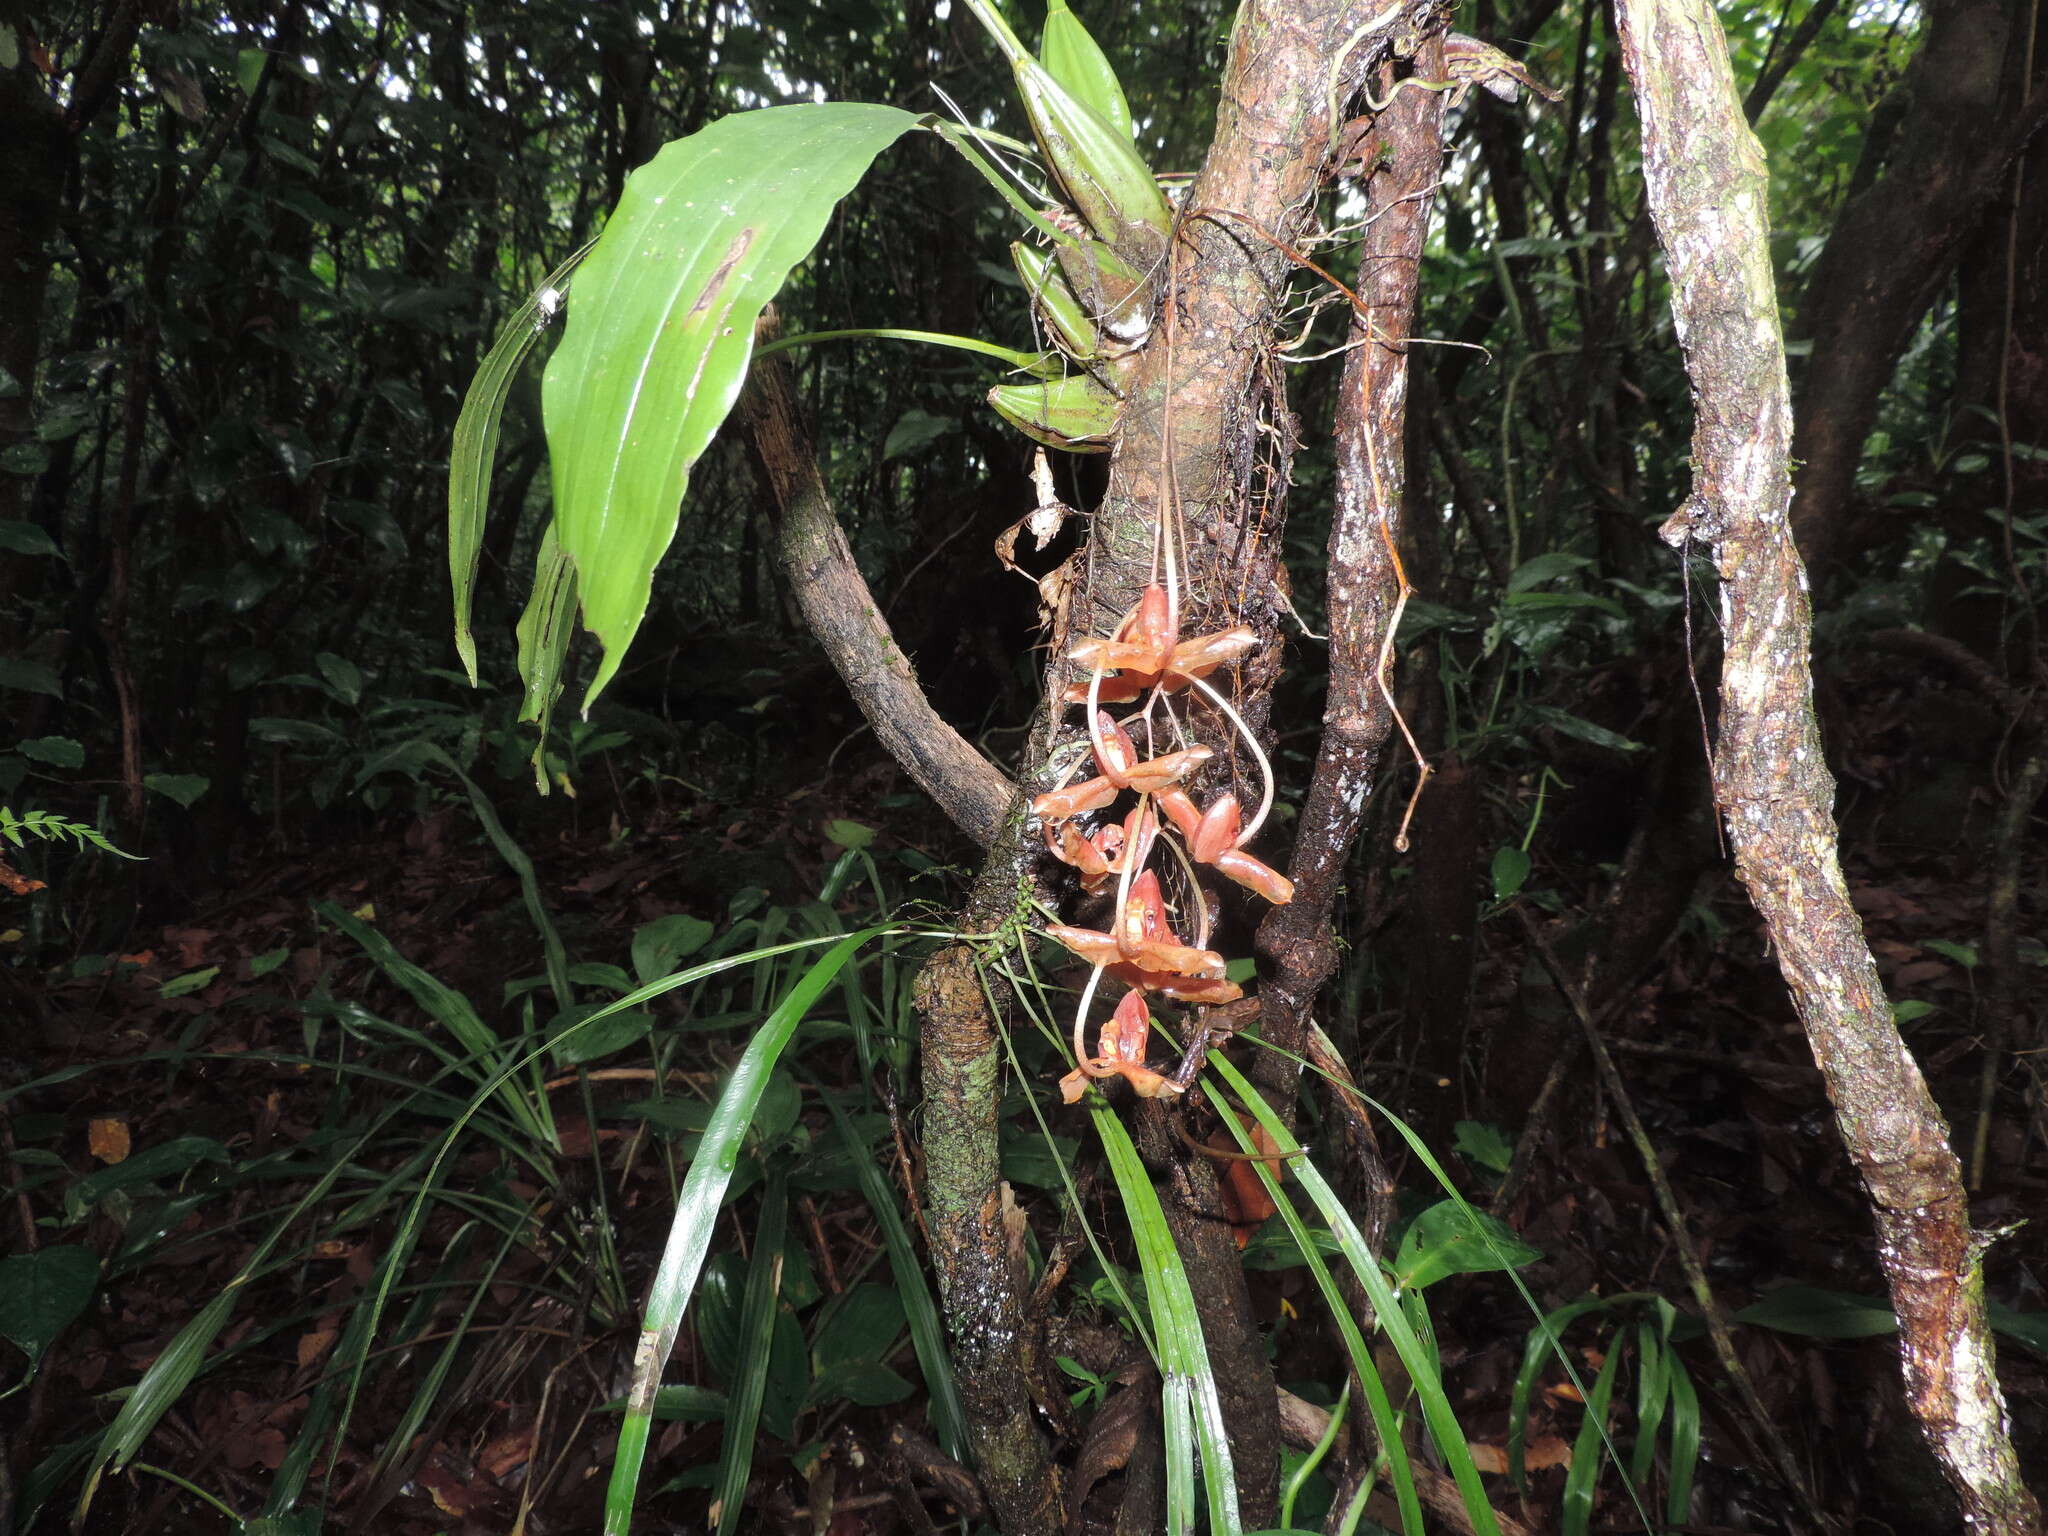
843	614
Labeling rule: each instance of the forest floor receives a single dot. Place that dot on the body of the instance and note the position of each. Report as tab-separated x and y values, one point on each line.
176	1042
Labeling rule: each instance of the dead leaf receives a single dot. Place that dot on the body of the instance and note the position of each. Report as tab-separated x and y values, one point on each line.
314	1344
506	1453
1111	1441
107	1139
16	882
1919	972
1538	1455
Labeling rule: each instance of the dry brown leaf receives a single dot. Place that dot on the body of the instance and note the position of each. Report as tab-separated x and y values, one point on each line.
107	1139
314	1344
1538	1455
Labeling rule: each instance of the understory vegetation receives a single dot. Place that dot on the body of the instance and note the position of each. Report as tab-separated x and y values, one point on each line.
1286	1041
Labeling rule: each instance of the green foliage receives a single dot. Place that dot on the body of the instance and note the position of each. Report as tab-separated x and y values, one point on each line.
49	827
386	1158
42	1292
661	326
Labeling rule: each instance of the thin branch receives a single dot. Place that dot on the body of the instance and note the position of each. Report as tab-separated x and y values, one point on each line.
843	614
1364	577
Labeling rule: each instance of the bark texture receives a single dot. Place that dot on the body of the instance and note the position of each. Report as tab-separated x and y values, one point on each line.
1708	193
982	1283
1203	445
1364	584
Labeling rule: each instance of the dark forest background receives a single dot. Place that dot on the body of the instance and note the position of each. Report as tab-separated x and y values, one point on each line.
251	258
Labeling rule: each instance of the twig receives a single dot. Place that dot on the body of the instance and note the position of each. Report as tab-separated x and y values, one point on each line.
1534	1128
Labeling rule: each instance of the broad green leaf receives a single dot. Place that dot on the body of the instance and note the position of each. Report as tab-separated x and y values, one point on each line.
191	981
1510	870
29	677
1538	569
25	538
863	1327
914	429
1964	955
2027	1328
343	675
658	945
864	1383
849	834
610	1034
661	328
185	788
1814	1313
1453	1239
40	1293
1572	725
717	1313
57	751
1483	1145
476	440
298	733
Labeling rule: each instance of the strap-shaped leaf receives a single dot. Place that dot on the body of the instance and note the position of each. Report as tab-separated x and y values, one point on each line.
543	632
661	328
476	440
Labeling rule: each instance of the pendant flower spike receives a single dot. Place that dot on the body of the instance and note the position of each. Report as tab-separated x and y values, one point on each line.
1140	950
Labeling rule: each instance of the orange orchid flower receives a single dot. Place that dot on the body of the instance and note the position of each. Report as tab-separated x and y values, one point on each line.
1117	756
1120	1052
1145	653
1211	837
1144	951
1104	857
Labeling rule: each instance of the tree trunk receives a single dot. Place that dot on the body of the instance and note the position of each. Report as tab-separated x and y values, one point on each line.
1709	195
1945	139
1203	444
